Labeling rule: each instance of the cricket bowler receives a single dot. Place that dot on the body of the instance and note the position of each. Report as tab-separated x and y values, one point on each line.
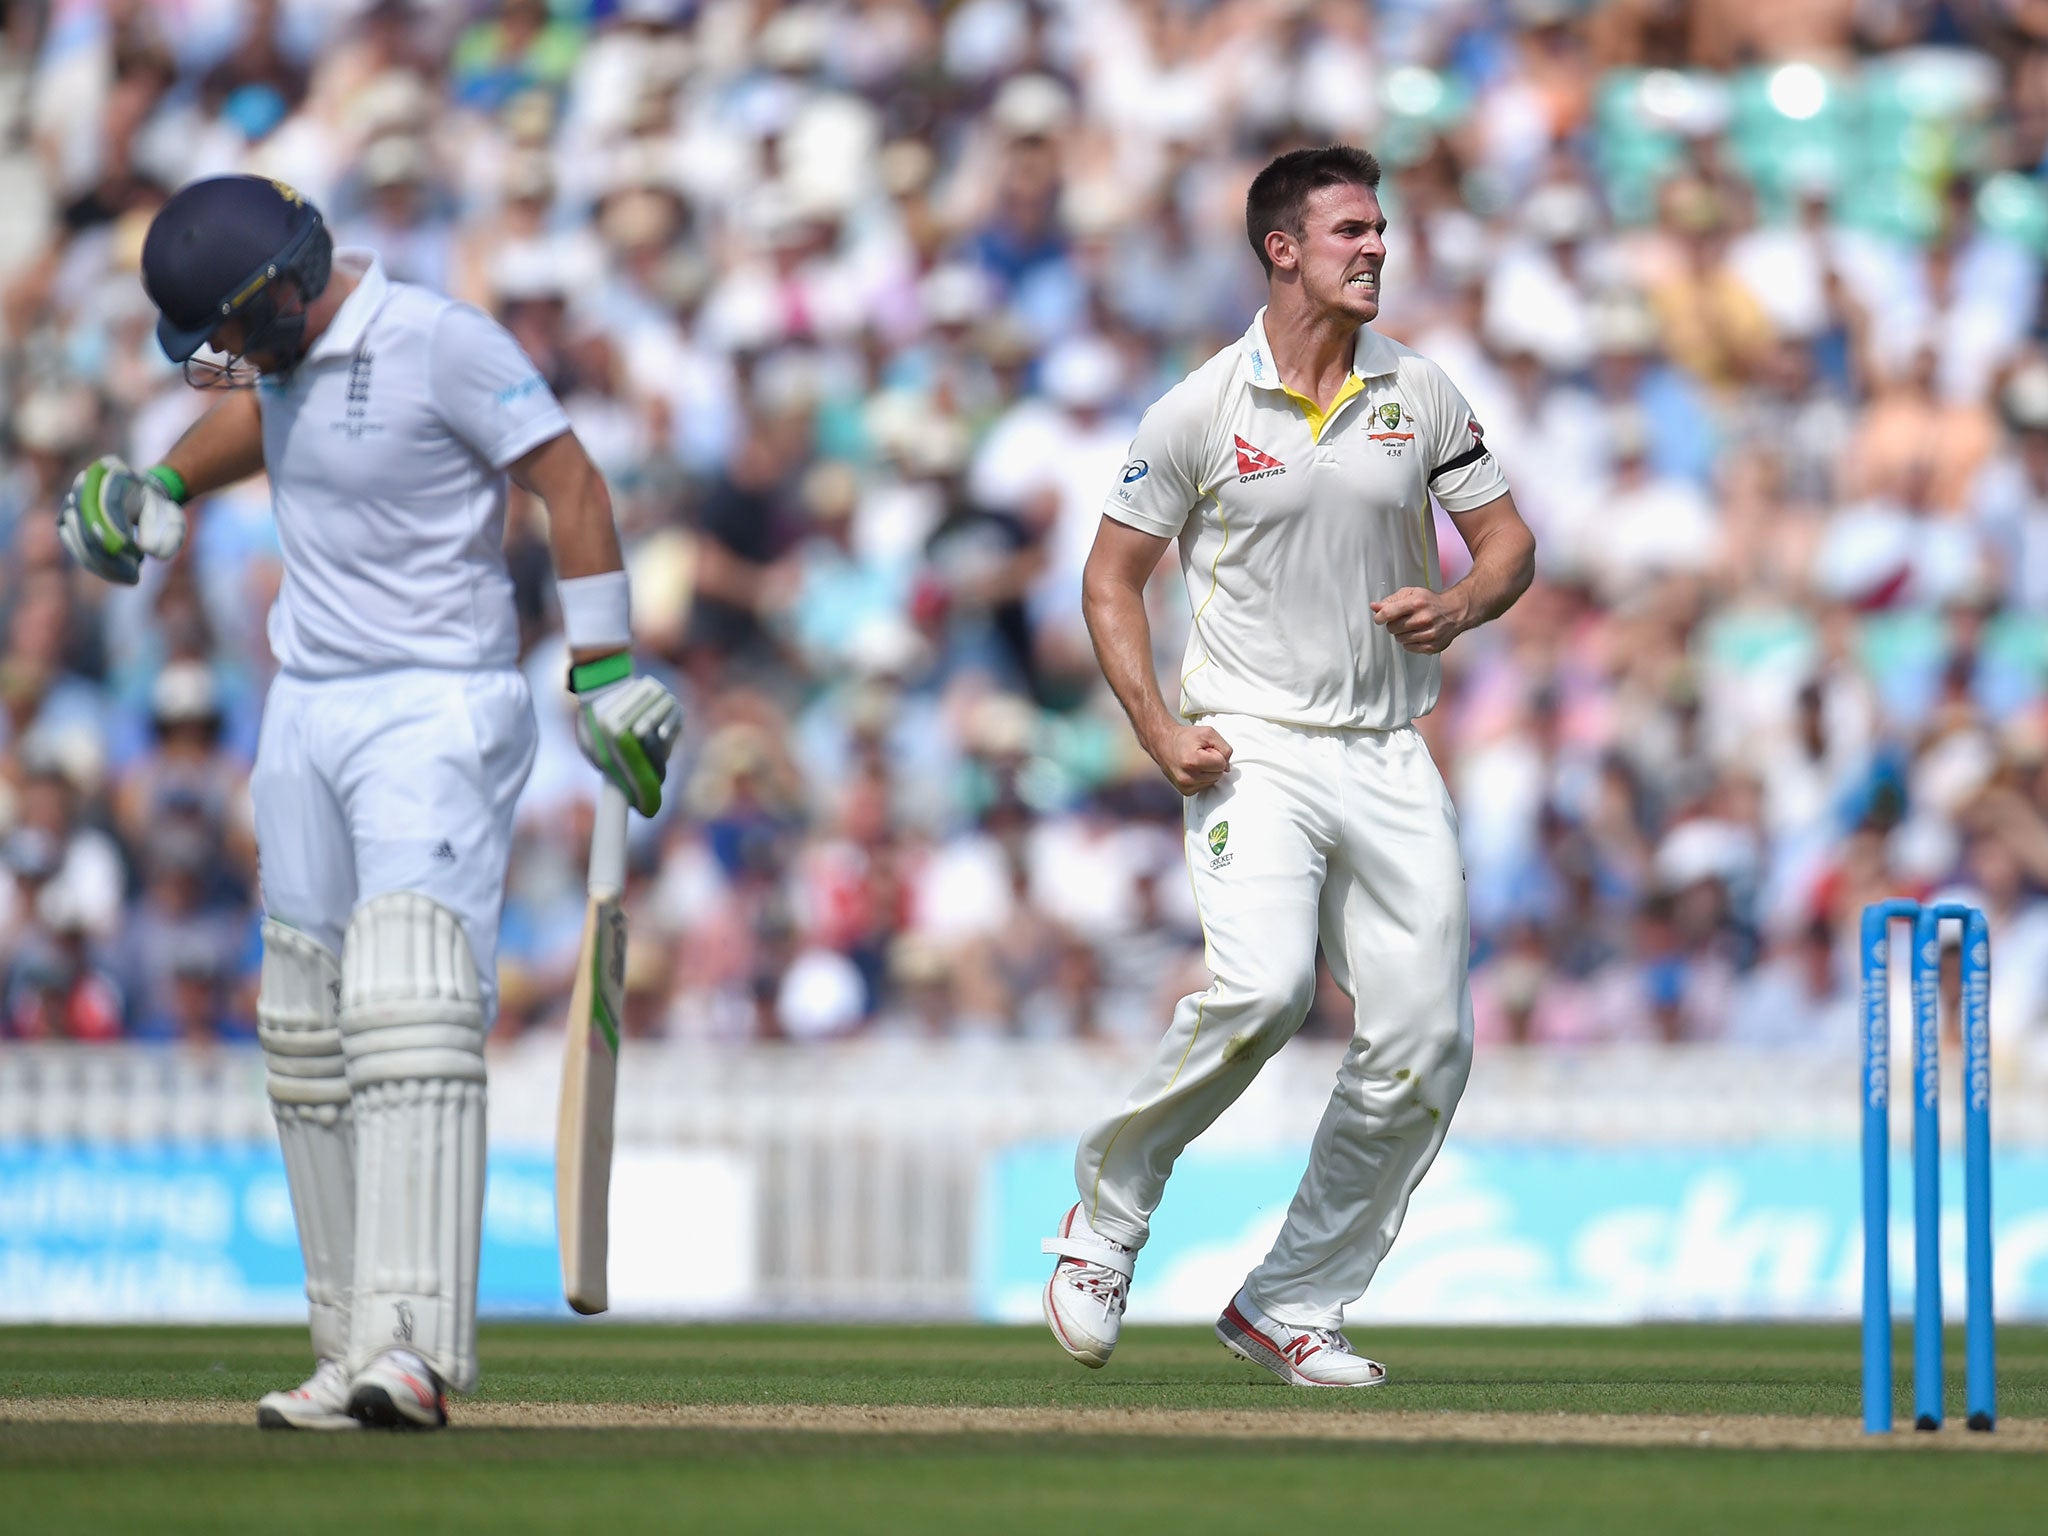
1295	470
395	738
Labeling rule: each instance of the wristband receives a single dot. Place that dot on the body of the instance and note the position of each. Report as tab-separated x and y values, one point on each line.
172	482
584	676
597	611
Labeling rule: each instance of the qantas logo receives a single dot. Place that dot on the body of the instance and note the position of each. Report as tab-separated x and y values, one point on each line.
1255	463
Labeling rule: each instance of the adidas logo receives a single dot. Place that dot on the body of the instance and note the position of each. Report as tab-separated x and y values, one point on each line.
1255	463
444	851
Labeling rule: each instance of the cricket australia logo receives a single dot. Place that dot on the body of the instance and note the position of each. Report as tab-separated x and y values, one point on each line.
1219	840
353	422
1397	428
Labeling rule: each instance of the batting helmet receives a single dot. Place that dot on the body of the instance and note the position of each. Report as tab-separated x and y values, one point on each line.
217	251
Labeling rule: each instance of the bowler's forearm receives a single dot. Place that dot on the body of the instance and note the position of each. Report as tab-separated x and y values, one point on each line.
1122	635
1503	565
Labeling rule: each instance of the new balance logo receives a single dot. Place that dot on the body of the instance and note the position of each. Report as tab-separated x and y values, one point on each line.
1300	1349
1255	463
444	851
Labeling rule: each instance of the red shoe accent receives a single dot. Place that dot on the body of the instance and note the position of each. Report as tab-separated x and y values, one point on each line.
1052	1314
1238	1318
1298	1354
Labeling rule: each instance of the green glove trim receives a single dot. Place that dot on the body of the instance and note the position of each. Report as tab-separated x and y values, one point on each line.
111	539
172	482
645	787
615	668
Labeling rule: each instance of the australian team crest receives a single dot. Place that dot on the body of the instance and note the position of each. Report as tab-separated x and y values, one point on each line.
1219	839
1390	415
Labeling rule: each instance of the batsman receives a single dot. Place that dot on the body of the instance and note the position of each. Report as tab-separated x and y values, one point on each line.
1295	470
395	740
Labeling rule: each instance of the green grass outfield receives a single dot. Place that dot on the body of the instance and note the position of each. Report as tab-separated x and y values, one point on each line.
593	1427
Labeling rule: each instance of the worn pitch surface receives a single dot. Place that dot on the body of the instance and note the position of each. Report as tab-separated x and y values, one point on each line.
622	1428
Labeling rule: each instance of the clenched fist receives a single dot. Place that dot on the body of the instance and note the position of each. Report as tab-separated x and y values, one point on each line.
1421	620
1192	757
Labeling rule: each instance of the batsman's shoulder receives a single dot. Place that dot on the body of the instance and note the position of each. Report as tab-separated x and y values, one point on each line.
412	305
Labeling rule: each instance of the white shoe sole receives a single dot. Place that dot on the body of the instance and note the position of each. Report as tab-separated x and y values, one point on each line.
1094	1359
387	1400
375	1408
1253	1348
269	1416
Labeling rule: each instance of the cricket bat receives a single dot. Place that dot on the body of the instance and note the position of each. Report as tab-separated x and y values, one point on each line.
590	1067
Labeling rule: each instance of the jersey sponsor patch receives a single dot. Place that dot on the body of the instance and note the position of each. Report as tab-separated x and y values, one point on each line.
512	394
1255	463
1135	471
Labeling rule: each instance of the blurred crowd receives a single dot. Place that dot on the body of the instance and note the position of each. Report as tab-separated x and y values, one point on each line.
857	302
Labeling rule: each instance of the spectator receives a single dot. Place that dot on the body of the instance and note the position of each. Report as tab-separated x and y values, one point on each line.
856	304
187	771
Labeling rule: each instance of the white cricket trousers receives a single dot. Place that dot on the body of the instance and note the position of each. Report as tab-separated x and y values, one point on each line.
393	781
1350	835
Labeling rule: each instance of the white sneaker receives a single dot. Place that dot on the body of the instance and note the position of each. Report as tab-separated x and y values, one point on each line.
1301	1357
320	1402
398	1390
1084	1299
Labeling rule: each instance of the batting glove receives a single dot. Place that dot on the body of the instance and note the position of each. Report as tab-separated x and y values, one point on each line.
626	726
112	517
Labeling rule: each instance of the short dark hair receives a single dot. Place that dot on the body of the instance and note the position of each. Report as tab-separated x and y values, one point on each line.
1279	192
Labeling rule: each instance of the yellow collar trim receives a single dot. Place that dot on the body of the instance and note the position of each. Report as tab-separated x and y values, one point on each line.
1318	418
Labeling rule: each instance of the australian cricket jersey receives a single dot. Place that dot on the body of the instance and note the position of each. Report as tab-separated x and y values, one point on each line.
1293	521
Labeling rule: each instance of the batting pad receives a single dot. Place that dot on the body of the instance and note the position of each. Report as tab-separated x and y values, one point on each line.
296	1003
412	1028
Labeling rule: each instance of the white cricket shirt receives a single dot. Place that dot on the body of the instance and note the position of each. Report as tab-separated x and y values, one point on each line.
1292	523
386	449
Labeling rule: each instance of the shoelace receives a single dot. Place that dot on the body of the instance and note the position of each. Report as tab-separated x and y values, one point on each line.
330	1380
1110	1287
